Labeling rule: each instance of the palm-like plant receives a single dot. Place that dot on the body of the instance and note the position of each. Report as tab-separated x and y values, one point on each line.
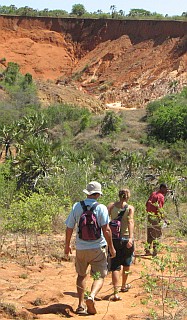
7	137
113	9
37	160
35	124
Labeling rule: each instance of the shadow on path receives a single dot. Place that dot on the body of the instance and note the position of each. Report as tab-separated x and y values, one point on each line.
72	294
58	308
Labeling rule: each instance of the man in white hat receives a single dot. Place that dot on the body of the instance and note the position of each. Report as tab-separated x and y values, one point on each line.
90	252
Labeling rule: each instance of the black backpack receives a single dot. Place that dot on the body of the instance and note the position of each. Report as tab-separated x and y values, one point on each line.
88	228
115	224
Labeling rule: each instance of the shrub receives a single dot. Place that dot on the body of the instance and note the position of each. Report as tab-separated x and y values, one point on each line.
181	224
11	73
8	308
110	123
168	117
163	283
26	81
57	114
169	123
85	122
7	113
152	107
7	186
32	214
98	151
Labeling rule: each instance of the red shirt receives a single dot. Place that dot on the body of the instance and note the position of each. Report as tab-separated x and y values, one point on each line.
155	201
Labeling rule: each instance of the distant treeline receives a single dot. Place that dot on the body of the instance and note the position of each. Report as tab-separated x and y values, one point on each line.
78	10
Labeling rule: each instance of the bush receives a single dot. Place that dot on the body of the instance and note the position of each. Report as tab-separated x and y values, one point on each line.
169	123
111	123
32	214
11	73
7	186
152	107
27	81
168	117
7	113
97	151
85	122
57	114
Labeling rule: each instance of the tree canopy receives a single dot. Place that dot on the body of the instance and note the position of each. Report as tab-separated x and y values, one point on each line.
78	10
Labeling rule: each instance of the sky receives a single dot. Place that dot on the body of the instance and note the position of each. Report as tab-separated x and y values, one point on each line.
171	7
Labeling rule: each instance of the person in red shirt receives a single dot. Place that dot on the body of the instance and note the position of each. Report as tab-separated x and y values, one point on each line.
153	206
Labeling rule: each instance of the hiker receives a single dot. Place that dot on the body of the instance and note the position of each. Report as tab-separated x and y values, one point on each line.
154	218
124	245
89	252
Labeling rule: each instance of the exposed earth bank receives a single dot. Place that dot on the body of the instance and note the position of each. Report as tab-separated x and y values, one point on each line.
130	62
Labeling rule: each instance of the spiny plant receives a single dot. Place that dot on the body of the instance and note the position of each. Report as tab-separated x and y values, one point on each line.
95	276
86	294
164	286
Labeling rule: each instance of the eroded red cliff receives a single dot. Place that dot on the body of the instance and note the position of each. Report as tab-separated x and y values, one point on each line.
128	61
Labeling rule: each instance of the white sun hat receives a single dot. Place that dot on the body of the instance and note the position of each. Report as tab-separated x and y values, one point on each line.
93	187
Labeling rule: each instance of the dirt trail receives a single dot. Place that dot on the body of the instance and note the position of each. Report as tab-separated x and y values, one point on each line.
46	288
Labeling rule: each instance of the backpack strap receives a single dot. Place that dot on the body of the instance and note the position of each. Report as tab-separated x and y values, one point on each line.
85	207
94	206
122	211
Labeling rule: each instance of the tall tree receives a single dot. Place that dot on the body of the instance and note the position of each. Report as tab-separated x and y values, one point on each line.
113	10
139	12
78	9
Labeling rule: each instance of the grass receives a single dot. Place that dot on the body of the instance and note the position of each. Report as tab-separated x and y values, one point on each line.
129	138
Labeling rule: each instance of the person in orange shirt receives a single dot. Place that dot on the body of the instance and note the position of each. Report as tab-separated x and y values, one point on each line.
154	228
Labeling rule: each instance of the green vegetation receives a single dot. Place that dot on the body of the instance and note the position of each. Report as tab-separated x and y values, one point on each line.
8	308
23	97
49	155
110	123
11	72
168	118
79	11
164	285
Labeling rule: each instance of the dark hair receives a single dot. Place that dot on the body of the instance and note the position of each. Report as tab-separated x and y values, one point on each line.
95	193
163	185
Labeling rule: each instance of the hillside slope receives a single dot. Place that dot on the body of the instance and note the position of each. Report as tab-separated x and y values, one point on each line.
130	62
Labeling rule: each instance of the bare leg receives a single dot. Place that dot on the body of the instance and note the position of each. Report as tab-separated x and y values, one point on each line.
115	282
96	287
125	276
81	286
